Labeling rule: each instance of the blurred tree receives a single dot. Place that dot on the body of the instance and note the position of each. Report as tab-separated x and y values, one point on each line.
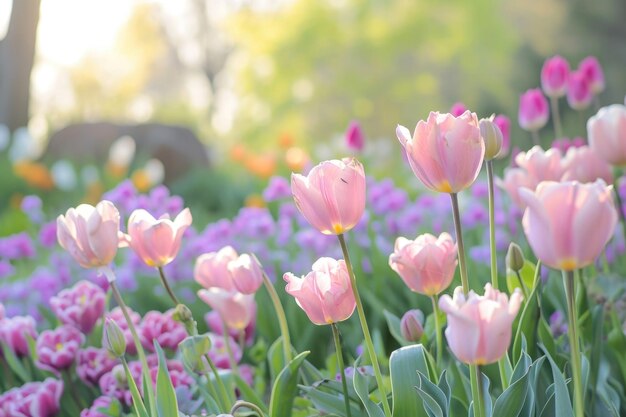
17	53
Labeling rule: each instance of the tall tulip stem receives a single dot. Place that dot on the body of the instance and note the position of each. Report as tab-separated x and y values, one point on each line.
438	338
459	241
167	286
492	227
477	391
556	117
535	135
344	383
572	332
366	332
282	318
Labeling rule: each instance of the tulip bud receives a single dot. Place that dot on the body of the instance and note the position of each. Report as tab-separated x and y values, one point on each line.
113	339
193	349
492	136
411	325
515	257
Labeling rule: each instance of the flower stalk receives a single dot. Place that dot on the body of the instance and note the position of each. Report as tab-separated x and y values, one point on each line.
572	333
341	365
459	241
438	337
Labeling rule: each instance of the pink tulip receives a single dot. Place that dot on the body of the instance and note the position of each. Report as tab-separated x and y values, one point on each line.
15	331
592	71
92	363
412	325
218	352
236	309
228	270
541	165
514	180
156	242
579	94
504	123
332	196
533	110
57	349
458	109
426	264
80	306
214	321
563	144
163	328
554	76
583	164
607	134
102	402
479	327
568	224
325	294
90	234
34	399
445	152
355	140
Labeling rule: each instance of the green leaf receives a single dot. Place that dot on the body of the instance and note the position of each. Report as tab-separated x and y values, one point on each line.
330	403
393	323
435	400
138	405
403	366
166	403
285	388
527	324
527	273
248	394
511	401
562	403
14	363
275	358
361	386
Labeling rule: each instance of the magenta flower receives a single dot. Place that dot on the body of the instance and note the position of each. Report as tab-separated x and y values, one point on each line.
34	399
479	327
237	309
80	306
98	404
458	109
228	270
504	123
118	317
355	140
325	294
114	383
57	349
593	72
533	110
92	363
2	312
218	352
554	76
445	152
163	328
607	134
579	94
14	332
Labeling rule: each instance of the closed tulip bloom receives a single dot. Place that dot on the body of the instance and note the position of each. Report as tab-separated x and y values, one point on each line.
593	72
80	306
228	270
412	325
492	135
325	294
479	327
157	242
606	131
568	224
504	123
445	152
541	165
236	309
355	140
426	264
533	110
554	76
583	164
90	234
332	196
579	94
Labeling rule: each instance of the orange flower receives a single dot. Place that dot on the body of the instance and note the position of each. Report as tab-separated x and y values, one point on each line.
296	158
254	200
35	174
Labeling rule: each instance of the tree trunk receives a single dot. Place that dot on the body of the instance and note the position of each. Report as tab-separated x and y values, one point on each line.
17	53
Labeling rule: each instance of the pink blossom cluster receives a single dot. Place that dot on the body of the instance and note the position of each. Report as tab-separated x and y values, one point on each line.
34	399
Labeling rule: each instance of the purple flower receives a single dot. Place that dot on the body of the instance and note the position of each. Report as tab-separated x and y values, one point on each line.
278	188
34	399
17	246
14	333
163	328
80	306
31	206
57	349
480	254
558	323
6	269
92	363
48	234
218	352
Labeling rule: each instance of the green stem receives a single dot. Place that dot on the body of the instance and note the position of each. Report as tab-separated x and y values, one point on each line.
225	397
459	242
556	117
229	350
438	338
69	386
246	404
535	136
344	383
477	391
492	227
167	286
366	332
522	285
572	332
282	318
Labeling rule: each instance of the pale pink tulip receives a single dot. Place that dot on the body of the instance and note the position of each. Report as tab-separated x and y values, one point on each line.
479	327
332	196
514	180
607	134
426	264
236	309
592	70
533	110
157	242
583	164
228	270
90	234
568	224
554	76
541	165
325	294
80	306
445	152
412	325
579	94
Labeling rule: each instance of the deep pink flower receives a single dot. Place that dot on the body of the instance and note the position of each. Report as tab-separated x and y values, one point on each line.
458	109
568	224
114	383
99	403
355	140
237	309
57	349
14	332
218	352
479	327
90	234
533	110
504	123
579	94
34	399
156	242
80	306
583	164
325	294
426	264
163	328
228	270
332	196
593	72
607	134
554	76
2	312
118	317
445	152
92	363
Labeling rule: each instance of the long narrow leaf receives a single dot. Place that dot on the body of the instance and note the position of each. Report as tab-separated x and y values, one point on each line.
166	403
